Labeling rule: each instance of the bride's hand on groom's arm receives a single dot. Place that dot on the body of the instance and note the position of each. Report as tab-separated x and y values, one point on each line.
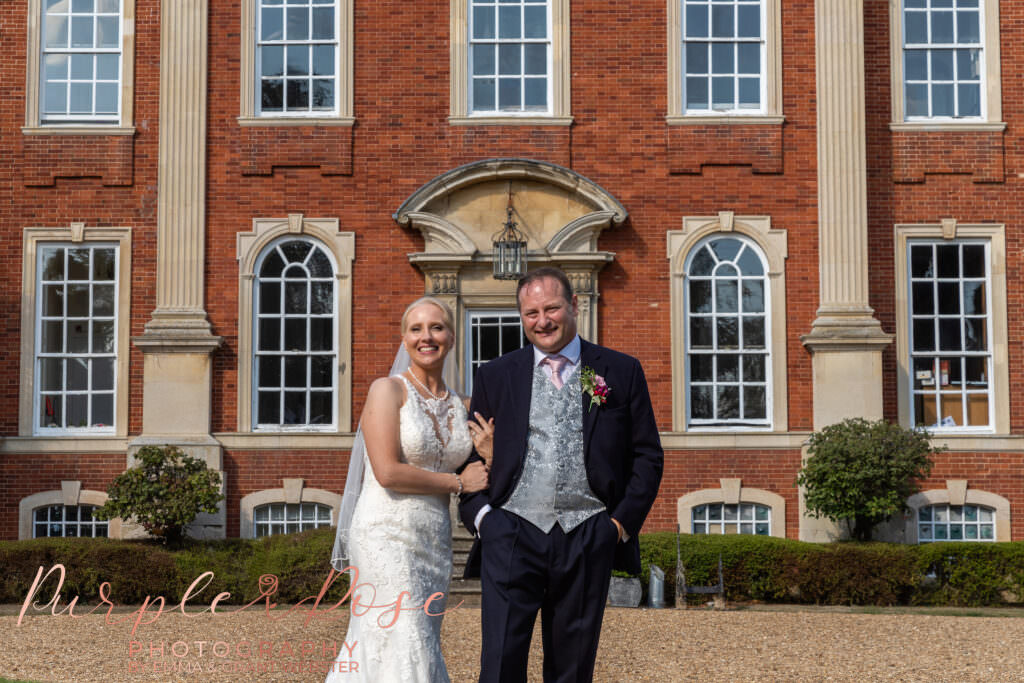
474	477
483	437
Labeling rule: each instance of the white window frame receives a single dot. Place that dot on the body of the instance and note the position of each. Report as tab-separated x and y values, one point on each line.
948	229
472	316
35	90
950	523
292	491
732	492
558	113
303	524
957	493
69	493
93	523
476	108
308	317
341	248
991	79
286	45
249	96
723	523
770	112
934	318
773	246
28	398
67	357
740	351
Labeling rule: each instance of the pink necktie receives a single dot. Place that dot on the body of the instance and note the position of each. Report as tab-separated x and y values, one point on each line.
556	363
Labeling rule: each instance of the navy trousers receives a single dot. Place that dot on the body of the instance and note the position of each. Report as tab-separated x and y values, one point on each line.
565	576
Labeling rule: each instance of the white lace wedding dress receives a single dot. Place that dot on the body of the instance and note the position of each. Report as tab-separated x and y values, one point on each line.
402	542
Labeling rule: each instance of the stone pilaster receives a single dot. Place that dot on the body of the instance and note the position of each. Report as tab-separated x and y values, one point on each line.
178	342
846	341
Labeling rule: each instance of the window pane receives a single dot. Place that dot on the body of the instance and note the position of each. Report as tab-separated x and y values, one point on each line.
696	21
103	374
320	407
323	23
700	332
697	93
483	22
272	95
535	22
748	24
509	23
107	34
536	93
701	367
697	61
298	61
969	95
701	402
298	23
754	368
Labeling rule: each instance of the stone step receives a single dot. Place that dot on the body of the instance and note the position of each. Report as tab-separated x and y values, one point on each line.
466	591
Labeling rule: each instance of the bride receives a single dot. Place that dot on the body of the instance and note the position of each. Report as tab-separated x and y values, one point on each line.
394	526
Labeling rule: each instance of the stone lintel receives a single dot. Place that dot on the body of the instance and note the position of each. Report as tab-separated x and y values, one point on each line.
957	489
70	490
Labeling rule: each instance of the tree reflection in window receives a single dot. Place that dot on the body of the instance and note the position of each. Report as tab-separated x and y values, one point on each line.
727	348
295	364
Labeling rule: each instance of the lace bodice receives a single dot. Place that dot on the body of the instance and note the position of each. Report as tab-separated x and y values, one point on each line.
433	432
401	543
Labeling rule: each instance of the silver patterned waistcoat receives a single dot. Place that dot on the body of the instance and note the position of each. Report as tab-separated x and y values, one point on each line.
553	486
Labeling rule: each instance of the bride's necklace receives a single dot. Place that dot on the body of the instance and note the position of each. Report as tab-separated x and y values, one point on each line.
424	386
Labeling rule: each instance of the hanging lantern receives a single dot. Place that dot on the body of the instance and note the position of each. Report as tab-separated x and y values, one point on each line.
509	250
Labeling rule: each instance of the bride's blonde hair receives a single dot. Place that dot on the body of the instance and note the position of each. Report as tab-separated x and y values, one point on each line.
446	313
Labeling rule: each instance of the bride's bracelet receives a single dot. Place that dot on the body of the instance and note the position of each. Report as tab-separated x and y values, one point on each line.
458	480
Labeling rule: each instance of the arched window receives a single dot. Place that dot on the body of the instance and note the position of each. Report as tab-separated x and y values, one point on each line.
295	363
287	518
726	518
67	521
728	369
955	523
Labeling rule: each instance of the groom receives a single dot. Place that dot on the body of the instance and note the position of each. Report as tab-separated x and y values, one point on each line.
572	479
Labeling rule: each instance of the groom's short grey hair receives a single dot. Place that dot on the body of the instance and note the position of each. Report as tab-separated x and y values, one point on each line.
540	274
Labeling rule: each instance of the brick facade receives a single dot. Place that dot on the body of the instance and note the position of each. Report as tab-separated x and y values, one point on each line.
401	140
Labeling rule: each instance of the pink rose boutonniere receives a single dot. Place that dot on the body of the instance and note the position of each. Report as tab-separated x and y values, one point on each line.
594	386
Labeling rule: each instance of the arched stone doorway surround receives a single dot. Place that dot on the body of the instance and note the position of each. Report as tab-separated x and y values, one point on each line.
561	212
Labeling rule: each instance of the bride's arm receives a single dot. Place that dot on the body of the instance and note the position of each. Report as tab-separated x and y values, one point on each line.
383	445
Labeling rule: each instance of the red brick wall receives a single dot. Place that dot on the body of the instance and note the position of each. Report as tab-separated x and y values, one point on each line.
25	474
402	140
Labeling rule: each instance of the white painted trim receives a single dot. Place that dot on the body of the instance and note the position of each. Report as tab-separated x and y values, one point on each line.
341	245
974	497
344	83
57	497
772	73
774	247
994	233
686	503
250	502
76	233
991	82
33	78
560	73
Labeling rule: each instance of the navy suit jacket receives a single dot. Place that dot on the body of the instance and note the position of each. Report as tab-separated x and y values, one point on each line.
621	448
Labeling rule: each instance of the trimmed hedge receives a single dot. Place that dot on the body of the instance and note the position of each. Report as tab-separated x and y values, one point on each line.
755	568
136	569
766	569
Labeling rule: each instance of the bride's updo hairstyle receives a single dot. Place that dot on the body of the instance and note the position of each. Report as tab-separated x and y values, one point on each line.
446	313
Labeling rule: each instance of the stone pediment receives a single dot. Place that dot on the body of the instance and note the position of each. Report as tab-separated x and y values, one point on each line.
559	211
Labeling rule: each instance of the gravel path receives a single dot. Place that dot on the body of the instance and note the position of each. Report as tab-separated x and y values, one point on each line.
636	645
